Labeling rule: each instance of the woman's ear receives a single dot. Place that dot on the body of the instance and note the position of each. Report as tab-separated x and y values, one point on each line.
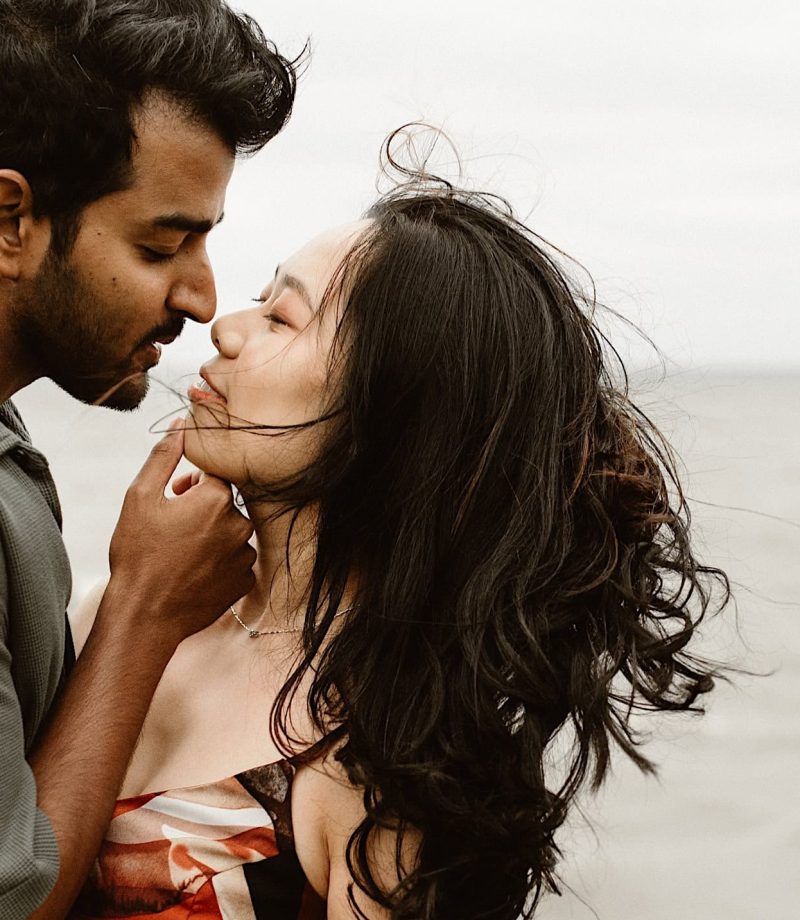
19	231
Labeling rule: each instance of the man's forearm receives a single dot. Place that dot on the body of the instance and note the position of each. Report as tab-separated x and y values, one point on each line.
80	759
176	565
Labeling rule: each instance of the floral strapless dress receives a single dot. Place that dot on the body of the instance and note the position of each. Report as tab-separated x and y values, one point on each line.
221	851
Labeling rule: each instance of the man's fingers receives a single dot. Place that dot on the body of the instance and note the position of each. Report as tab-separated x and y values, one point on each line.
186	481
163	460
222	487
182	484
214	482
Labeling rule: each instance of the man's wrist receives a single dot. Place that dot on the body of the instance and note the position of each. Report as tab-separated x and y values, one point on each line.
128	618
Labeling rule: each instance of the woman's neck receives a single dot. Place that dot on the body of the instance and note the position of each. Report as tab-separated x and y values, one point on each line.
285	544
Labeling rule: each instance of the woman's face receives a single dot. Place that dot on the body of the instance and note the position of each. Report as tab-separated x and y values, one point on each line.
271	369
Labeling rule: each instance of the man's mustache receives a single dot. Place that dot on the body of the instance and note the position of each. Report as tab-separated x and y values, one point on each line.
170	331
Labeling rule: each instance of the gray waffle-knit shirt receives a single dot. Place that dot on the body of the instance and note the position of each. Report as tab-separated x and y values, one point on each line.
35	649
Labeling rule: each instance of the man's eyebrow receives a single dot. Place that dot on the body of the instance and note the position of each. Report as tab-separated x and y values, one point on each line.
187	223
297	285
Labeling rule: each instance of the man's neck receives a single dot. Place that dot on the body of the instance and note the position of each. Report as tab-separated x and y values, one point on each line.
11	383
16	370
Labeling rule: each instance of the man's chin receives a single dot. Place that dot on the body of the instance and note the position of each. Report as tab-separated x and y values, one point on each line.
123	395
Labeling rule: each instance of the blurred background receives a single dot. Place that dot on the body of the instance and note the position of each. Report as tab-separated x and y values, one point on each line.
658	144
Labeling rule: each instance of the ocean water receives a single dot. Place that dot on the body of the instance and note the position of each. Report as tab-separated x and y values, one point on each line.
716	836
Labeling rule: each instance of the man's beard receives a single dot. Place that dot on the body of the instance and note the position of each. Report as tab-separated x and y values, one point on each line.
71	337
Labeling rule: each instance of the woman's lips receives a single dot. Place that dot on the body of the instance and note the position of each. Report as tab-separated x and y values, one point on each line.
203	393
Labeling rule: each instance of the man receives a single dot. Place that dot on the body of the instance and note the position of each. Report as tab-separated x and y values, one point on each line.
119	124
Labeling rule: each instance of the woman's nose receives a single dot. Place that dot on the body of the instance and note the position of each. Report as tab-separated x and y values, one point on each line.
227	339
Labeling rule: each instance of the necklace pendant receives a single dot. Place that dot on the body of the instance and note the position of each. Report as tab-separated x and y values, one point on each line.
254	633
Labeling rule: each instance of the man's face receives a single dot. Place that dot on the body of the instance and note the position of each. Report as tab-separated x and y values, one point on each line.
138	268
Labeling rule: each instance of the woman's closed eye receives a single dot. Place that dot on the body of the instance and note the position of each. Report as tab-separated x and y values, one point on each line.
271	316
275	318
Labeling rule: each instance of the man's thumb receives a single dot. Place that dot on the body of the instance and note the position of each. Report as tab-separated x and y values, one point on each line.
163	459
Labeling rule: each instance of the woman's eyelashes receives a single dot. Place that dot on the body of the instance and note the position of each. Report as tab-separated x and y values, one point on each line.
271	316
275	318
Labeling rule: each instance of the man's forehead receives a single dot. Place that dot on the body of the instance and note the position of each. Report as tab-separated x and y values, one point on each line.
180	169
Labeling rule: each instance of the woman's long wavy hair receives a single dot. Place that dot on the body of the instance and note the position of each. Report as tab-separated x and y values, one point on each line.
519	545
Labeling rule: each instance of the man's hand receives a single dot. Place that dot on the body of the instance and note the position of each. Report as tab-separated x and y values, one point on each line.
176	565
185	559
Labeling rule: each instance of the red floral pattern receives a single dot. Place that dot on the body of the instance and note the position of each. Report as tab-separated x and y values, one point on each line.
186	852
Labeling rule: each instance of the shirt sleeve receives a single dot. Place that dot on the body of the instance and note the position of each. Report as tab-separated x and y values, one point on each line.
29	858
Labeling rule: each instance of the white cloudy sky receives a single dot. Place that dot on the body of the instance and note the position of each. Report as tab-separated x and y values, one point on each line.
657	142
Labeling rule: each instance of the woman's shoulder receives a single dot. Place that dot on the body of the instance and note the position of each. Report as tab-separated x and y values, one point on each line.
82	618
326	810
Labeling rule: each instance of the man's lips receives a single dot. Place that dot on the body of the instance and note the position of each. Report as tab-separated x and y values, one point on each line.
154	345
152	354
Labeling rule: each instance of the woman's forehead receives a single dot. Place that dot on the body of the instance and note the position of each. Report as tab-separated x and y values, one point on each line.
320	257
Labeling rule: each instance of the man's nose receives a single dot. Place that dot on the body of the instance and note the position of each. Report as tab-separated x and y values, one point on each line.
195	296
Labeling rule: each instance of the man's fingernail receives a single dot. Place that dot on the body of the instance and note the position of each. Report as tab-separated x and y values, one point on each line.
175	424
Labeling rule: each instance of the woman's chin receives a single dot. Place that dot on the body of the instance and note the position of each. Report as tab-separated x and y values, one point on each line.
206	456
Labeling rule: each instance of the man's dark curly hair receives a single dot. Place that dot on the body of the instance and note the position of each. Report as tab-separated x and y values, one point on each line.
74	71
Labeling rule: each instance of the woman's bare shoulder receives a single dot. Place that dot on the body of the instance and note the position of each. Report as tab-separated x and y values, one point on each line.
326	809
82	618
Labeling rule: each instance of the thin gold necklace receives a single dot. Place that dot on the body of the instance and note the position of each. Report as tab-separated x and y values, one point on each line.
255	633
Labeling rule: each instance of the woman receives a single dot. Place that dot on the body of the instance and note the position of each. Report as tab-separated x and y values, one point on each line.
470	544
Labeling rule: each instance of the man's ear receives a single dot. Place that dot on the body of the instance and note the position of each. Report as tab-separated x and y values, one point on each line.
17	223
